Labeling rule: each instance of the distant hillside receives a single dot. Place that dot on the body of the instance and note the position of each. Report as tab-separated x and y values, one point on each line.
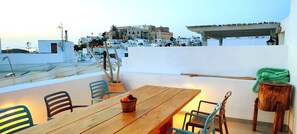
15	50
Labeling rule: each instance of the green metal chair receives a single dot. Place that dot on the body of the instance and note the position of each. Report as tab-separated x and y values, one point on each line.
14	119
100	89
208	125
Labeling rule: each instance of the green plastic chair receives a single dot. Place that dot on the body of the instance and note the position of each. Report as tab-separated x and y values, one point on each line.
14	119
208	126
99	89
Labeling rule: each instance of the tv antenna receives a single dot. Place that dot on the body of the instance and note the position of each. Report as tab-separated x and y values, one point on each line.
62	40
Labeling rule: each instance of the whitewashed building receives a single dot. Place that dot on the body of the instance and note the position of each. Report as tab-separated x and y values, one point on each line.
57	47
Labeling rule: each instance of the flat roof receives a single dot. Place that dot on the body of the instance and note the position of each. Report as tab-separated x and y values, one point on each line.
237	30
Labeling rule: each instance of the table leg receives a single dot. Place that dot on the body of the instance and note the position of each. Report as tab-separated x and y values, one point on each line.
255	114
278	118
164	129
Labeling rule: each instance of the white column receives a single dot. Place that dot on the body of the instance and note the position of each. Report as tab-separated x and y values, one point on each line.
204	39
221	41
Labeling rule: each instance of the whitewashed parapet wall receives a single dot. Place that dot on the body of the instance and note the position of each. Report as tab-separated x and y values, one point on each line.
225	60
32	94
17	59
162	66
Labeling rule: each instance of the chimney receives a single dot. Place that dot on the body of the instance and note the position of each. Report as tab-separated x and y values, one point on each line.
66	35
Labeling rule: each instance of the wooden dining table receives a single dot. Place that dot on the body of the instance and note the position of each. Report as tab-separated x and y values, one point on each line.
154	113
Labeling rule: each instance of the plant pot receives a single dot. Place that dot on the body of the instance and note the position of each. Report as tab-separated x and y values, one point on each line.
116	87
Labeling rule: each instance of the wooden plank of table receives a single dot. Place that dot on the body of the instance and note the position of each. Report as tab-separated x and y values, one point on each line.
161	114
102	116
81	113
122	120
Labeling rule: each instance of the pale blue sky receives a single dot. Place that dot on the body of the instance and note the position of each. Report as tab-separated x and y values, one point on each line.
32	20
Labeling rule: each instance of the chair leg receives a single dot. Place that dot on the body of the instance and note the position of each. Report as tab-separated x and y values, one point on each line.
213	131
225	124
220	126
255	116
186	127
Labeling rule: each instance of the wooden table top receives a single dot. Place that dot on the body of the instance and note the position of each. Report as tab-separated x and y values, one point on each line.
155	106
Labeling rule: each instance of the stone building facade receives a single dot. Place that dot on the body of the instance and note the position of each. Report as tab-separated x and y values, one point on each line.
149	32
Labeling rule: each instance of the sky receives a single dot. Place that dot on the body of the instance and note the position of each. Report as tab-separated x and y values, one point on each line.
24	21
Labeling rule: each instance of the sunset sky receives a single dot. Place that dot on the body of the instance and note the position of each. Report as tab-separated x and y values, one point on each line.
33	20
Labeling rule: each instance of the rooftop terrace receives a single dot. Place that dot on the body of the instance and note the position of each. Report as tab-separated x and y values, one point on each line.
162	66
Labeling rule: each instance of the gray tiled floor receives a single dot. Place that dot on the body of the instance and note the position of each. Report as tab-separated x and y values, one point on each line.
234	126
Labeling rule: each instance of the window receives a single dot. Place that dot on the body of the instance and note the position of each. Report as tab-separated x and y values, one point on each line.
54	47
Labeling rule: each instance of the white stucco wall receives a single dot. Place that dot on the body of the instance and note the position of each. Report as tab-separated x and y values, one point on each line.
162	66
216	60
68	55
68	49
291	42
213	89
31	94
44	46
32	58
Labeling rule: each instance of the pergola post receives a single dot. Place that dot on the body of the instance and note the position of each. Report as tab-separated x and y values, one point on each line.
204	39
221	41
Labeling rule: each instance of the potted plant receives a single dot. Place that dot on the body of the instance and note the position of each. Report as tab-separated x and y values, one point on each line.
114	84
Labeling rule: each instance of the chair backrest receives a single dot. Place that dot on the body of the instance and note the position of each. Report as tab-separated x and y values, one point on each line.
15	119
98	89
57	103
227	95
209	126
